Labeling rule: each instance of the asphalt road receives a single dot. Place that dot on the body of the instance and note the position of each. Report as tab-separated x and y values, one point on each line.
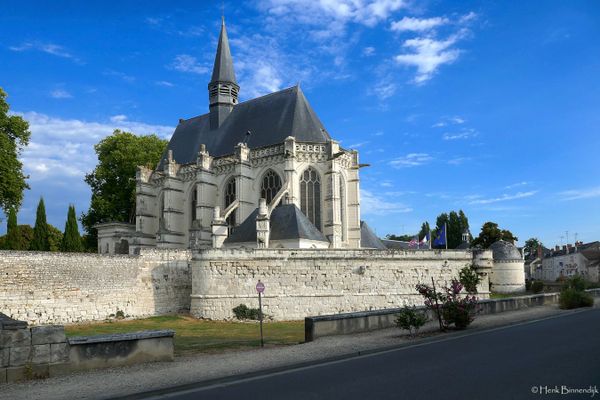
503	363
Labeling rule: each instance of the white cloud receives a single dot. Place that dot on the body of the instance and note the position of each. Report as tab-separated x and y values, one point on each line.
384	90
418	24
428	55
120	75
358	144
164	83
333	14
578	194
368	51
505	197
461	135
63	149
187	63
48	48
60	94
449	121
373	205
411	160
514	185
458	160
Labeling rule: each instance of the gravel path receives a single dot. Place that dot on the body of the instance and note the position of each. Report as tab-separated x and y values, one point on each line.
115	382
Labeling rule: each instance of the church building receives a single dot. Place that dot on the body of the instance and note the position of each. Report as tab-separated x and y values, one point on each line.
263	173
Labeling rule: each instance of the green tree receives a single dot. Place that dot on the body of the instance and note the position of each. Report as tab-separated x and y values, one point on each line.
11	241
14	135
71	241
456	224
531	247
424	230
490	233
41	232
113	180
402	238
55	236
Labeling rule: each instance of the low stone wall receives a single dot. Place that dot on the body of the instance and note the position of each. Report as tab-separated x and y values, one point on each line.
44	351
301	282
347	323
105	351
50	288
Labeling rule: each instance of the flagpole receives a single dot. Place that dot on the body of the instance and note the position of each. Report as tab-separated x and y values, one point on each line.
446	234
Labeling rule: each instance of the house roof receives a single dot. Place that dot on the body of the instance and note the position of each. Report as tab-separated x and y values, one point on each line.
270	119
395	244
368	238
287	222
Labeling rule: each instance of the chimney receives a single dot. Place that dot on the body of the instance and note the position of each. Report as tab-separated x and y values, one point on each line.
557	248
539	252
564	248
569	247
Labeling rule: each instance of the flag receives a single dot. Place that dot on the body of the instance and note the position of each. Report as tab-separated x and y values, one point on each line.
423	243
441	239
414	242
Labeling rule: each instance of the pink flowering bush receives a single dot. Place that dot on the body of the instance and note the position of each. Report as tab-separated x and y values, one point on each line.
449	305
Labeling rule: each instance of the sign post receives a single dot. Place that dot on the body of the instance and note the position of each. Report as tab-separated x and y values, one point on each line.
260	288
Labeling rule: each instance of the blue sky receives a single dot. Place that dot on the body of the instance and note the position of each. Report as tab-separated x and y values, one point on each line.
489	107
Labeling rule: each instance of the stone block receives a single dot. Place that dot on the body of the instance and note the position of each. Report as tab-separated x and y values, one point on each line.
2	375
15	374
19	356
15	338
59	352
40	354
48	334
4	357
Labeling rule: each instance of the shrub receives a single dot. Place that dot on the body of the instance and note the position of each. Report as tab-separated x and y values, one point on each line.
243	312
572	298
537	286
452	308
410	319
576	282
469	279
527	284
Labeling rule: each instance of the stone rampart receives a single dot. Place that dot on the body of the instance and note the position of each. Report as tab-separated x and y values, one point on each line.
301	282
60	288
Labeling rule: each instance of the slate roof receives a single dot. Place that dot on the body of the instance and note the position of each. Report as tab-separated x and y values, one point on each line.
505	251
368	238
270	119
395	244
287	222
223	67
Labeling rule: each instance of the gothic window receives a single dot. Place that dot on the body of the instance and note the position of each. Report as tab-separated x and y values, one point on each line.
343	206
193	204
310	196
271	185
229	196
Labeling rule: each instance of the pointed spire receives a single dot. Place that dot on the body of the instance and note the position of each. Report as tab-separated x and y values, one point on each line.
223	68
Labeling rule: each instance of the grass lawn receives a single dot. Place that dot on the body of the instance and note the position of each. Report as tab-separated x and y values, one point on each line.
199	336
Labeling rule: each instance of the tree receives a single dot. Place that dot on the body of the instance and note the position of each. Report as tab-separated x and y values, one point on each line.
402	238
14	135
41	234
456	224
71	241
11	241
491	233
113	180
531	247
54	238
424	230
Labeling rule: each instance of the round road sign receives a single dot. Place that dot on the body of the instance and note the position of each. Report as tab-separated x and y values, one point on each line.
260	287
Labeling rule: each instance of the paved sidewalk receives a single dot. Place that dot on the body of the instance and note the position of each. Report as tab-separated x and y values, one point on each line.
107	383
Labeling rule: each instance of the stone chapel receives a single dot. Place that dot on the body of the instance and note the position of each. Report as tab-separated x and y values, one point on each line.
263	173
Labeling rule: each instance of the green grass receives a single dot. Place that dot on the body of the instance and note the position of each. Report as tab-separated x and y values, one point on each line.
200	336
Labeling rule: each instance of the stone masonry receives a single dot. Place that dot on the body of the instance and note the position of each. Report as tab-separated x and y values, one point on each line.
51	288
302	282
